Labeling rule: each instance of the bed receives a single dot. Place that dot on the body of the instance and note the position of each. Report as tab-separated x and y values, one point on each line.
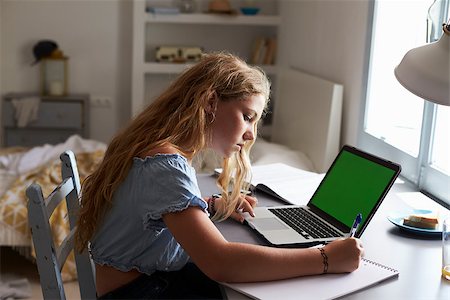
305	134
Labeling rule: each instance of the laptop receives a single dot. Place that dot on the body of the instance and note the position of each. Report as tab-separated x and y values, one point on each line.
356	183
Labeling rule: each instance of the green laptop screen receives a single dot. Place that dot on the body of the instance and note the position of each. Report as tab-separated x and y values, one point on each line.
353	185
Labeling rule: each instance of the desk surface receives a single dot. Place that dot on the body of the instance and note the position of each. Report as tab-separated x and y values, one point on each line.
417	258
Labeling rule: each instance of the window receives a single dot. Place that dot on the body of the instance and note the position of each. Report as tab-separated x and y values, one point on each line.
399	125
440	155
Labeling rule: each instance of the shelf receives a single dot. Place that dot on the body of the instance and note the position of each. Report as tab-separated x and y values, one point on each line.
214	32
214	19
171	68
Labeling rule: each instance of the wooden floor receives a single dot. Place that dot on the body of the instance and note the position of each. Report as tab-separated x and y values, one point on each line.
14	266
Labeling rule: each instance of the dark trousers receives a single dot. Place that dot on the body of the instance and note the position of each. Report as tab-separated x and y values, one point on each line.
187	283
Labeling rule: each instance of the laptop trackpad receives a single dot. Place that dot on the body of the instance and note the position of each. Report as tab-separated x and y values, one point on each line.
269	224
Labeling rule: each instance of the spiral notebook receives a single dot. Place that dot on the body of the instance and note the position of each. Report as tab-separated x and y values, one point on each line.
329	286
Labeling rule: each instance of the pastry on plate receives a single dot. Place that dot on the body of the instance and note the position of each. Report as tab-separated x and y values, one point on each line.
421	221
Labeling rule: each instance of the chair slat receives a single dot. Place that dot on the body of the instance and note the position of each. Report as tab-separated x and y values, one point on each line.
64	249
58	194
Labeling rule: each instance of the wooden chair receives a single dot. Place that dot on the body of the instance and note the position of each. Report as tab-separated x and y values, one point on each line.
50	259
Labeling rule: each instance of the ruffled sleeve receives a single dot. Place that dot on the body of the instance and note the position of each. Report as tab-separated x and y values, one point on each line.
171	186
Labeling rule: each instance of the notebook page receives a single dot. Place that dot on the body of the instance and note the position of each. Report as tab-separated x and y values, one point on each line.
327	286
293	185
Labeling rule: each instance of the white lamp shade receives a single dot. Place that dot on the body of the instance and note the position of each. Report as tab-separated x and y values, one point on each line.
425	71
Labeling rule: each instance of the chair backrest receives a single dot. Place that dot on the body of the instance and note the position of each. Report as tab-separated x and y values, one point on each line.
50	259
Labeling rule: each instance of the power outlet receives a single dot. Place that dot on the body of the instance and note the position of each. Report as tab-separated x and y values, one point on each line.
101	101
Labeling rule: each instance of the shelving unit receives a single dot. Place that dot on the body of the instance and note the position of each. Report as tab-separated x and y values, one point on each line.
211	32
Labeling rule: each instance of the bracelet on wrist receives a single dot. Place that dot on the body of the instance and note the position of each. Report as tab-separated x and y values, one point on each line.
325	260
212	204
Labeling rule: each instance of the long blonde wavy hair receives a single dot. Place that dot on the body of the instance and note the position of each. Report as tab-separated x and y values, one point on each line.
177	117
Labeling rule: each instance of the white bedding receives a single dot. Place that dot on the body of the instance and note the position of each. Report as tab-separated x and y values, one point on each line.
23	162
15	164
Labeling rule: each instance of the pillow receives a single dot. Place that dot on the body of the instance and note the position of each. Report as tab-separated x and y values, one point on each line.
263	152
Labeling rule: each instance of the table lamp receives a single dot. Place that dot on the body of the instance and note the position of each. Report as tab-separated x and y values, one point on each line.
425	71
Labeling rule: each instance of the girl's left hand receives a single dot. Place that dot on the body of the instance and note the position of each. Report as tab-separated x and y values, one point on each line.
246	205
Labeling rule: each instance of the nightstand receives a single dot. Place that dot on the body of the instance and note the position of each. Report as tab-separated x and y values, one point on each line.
57	119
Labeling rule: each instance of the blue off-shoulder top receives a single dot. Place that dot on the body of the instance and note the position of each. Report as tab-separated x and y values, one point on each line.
132	234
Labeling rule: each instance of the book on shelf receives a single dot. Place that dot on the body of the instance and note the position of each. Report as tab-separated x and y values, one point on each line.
271	47
264	51
289	184
258	46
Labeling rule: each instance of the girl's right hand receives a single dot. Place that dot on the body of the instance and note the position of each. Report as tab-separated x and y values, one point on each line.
344	255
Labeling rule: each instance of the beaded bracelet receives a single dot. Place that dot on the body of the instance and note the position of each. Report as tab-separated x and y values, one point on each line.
211	204
325	260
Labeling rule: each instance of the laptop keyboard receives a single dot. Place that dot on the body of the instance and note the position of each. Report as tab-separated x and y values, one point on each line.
305	223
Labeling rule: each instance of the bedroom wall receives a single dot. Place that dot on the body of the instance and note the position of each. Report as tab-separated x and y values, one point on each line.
96	37
328	39
324	38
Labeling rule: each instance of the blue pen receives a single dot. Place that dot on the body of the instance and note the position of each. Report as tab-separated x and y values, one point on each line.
355	225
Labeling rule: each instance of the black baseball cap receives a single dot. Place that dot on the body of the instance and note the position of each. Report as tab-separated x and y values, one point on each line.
43	48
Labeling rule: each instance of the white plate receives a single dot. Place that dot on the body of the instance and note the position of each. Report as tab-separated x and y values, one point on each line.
396	218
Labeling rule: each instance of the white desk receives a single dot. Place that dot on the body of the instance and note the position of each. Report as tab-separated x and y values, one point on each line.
418	259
